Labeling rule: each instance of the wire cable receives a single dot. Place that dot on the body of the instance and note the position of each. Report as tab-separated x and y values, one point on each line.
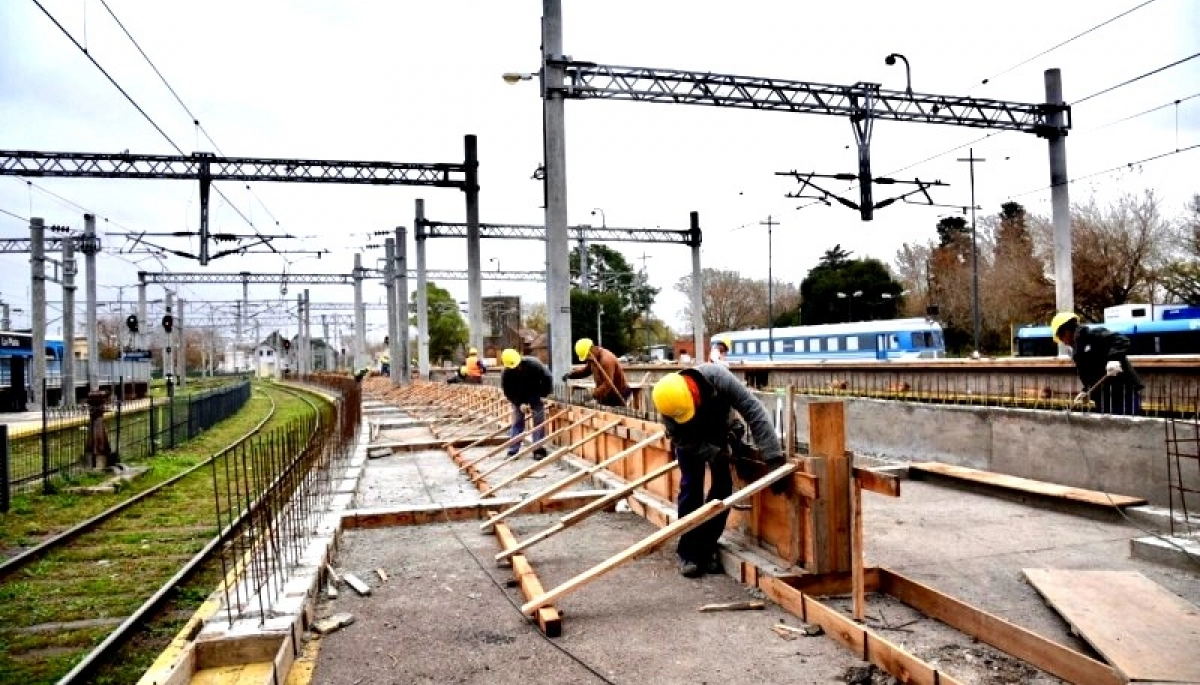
1072	38
1119	167
1135	79
15	216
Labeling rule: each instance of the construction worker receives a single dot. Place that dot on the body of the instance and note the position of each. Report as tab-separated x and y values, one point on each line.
475	367
701	409
525	381
1100	359
719	354
612	389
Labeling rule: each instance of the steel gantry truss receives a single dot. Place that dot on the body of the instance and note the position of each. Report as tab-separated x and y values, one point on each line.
563	78
168	277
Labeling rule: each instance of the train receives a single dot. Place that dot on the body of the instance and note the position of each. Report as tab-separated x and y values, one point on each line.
17	345
1152	329
893	339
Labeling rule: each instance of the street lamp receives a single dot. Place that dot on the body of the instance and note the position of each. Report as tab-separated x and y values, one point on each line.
512	77
891	60
849	302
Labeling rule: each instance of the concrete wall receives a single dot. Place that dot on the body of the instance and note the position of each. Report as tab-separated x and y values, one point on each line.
1120	455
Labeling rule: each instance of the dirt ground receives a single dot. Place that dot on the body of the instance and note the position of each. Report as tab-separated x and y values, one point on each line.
447	613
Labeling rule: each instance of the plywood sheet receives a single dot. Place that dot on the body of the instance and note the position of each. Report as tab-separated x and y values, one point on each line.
1027	485
1145	631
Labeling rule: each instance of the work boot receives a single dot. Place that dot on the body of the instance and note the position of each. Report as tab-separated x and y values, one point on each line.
690	569
539	454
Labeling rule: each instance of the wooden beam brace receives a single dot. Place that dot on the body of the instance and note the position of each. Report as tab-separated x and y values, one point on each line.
511	441
525	450
578	515
879	483
657	539
548	619
420	514
549	459
567	482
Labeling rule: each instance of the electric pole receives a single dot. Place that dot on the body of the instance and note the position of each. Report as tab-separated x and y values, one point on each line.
770	224
971	159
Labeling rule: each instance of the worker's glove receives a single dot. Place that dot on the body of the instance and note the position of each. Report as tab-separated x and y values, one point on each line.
1112	368
1081	398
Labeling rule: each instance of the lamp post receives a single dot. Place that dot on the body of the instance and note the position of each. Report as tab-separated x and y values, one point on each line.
891	60
599	327
849	303
971	159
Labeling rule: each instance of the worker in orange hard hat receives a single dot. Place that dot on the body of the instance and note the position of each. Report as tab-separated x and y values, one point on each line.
702	409
1101	359
612	389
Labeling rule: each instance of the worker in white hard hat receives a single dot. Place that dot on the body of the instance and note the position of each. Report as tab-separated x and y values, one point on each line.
700	408
1101	359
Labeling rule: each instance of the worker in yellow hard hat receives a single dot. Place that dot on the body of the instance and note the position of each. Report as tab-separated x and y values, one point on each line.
612	390
719	353
525	381
474	367
1101	359
702	409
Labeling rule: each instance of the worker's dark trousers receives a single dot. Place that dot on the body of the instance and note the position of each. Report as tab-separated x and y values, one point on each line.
700	543
518	422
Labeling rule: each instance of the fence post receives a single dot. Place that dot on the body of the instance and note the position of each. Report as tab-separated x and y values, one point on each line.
45	442
171	410
4	470
153	437
116	451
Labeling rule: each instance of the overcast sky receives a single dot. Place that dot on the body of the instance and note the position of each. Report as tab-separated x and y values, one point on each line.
404	81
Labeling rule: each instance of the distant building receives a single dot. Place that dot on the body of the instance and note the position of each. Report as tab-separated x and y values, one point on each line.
501	324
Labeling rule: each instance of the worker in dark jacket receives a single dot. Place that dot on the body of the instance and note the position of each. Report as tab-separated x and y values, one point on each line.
525	381
1100	357
701	409
612	389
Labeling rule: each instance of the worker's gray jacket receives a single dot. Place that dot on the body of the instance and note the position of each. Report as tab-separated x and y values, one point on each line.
721	391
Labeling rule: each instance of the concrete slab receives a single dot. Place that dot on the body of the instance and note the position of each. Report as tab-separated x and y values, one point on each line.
1181	552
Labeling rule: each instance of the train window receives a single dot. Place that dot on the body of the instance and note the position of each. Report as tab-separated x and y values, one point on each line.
739	347
852	343
789	345
893	342
751	347
831	344
814	345
1140	312
779	345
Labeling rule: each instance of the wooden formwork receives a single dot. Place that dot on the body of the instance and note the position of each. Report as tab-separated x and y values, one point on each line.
794	546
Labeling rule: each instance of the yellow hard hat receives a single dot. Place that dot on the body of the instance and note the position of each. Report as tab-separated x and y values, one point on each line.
673	398
510	358
472	351
1058	321
726	342
582	347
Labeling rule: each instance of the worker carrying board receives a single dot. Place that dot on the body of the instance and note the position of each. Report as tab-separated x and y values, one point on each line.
703	409
612	390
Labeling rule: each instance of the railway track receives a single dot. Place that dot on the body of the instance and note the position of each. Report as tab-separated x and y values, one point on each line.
70	603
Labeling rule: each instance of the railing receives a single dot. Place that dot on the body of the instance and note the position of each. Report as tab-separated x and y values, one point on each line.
136	430
287	478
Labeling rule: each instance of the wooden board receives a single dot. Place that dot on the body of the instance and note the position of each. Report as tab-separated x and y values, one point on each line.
1146	632
1036	487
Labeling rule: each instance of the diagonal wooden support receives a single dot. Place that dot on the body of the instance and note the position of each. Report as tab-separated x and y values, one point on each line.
478	478
508	443
487	437
551	458
657	539
587	510
569	481
463	429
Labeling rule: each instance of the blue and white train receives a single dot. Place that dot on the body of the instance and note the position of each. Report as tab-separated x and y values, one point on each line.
893	339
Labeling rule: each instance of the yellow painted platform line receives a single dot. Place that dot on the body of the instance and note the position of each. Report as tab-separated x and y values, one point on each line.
305	664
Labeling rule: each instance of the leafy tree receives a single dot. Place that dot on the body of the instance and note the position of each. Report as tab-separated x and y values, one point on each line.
862	282
605	307
536	317
911	268
1181	277
1015	289
730	301
608	271
447	329
951	229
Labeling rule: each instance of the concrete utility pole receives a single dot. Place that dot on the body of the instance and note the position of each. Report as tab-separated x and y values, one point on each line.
237	340
401	347
422	294
68	327
168	359
697	289
181	357
37	266
308	352
90	247
474	267
144	325
558	278
971	159
389	275
1060	201
328	344
298	348
360	316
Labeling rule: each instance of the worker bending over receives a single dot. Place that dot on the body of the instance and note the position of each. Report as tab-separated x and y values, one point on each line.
702	408
1100	357
612	390
475	367
525	381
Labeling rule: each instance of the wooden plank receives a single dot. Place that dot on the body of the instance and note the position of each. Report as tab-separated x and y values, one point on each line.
354	582
828	584
422	445
1146	632
1009	638
1036	487
511	441
878	483
527	449
548	618
564	483
548	459
422	514
753	605
657	539
827	439
856	550
863	642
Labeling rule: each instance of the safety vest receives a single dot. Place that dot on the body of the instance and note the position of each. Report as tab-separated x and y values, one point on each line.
473	366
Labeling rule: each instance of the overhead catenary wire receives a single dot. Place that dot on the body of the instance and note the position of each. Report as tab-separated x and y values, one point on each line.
1119	167
1135	79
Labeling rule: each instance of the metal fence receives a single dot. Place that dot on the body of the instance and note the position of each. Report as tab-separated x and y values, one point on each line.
136	430
271	492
